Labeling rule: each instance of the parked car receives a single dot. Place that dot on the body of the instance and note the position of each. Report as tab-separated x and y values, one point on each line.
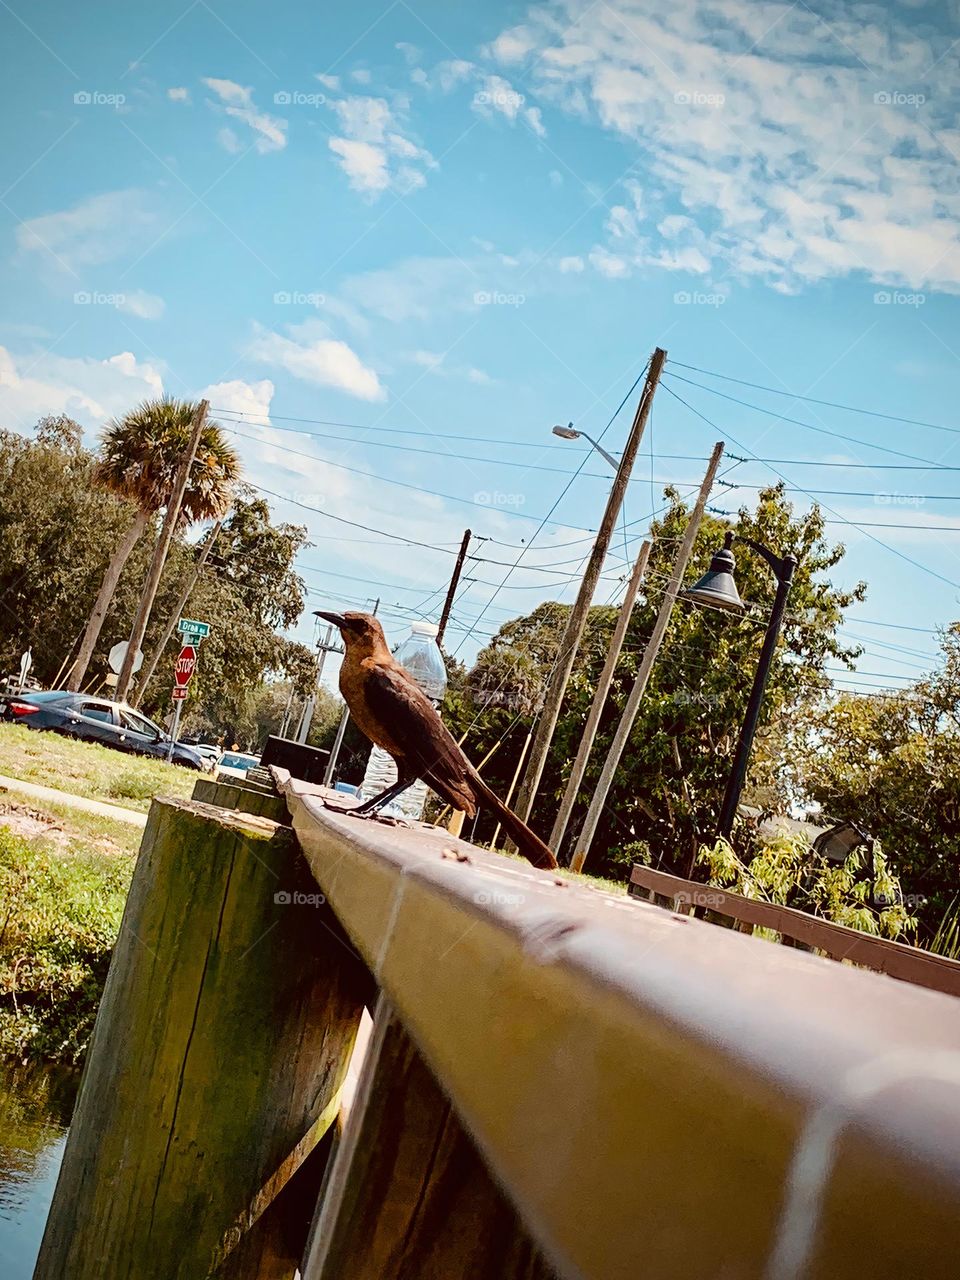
208	750
112	724
236	764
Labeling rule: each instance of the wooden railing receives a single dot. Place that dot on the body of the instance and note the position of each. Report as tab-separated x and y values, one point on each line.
560	1082
897	959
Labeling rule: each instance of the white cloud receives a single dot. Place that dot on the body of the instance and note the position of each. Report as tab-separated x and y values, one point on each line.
436	362
236	101
372	149
99	229
178	95
799	146
250	398
534	119
229	140
89	390
361	76
569	264
609	264
145	306
310	354
330	82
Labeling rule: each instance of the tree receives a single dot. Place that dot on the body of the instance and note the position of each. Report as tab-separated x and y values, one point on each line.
140	454
668	789
53	525
891	764
248	589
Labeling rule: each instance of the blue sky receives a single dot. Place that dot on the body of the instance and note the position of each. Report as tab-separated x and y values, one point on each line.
461	224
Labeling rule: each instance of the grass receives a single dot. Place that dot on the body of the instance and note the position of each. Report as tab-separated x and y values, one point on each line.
60	912
70	829
87	769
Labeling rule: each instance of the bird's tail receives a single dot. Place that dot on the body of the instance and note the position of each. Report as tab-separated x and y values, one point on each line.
529	844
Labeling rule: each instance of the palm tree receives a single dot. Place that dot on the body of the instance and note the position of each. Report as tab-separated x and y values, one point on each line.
139	457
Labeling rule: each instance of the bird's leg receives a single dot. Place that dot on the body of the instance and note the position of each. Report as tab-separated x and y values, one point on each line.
377	802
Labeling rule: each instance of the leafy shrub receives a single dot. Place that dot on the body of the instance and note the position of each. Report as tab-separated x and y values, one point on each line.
60	914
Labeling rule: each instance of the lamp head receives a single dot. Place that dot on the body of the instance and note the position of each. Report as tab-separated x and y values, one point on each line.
717	588
567	432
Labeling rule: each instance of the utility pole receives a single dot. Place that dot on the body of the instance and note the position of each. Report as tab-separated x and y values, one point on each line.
341	730
177	612
577	619
599	700
625	727
451	590
309	706
161	550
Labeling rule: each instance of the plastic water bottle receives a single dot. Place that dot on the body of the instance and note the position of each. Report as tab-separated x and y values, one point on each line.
420	655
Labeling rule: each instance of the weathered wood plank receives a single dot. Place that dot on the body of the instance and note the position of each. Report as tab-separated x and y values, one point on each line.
635	1078
241	797
222	1041
409	1197
898	959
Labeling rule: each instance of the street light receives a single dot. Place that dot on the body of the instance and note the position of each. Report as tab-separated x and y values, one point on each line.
568	433
718	589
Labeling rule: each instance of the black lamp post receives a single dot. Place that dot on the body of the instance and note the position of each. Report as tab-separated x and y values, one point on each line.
718	589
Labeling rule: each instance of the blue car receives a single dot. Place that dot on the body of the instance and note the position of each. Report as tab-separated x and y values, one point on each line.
112	724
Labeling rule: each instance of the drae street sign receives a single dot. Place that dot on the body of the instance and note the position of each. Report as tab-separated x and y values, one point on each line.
190	627
186	665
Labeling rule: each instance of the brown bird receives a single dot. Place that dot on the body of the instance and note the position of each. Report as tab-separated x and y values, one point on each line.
395	713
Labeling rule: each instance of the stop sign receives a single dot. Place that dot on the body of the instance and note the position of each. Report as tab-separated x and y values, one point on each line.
186	665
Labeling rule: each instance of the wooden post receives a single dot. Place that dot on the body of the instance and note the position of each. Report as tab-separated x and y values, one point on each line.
408	1197
452	589
599	701
625	727
577	618
220	1048
160	551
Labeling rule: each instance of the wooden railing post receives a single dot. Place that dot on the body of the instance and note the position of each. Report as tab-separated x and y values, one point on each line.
408	1197
222	1041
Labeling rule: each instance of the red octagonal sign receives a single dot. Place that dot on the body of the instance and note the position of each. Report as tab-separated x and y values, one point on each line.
186	665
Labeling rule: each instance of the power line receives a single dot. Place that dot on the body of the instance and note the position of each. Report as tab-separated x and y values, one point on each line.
808	426
828	404
851	523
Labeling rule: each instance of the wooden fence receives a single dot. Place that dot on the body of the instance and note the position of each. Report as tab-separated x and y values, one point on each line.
835	940
561	1082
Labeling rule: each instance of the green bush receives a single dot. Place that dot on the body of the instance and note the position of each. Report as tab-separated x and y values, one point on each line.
60	913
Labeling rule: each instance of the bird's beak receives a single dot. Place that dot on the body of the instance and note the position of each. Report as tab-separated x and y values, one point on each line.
337	619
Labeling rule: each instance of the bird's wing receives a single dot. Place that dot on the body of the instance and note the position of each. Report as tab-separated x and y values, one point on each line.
418	735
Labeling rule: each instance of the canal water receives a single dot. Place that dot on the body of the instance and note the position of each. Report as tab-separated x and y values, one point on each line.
36	1103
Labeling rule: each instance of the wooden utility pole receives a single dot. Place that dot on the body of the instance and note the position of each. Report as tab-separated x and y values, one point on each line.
161	550
577	619
625	727
599	700
177	611
452	589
